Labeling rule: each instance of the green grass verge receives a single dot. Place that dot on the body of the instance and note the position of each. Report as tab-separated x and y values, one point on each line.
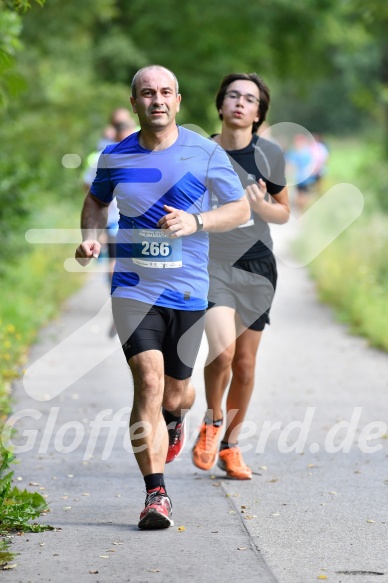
17	509
33	290
352	273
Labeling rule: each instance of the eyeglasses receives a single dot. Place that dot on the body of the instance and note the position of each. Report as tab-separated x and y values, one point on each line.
249	98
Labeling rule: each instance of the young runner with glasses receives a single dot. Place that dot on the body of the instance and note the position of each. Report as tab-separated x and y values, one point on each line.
242	271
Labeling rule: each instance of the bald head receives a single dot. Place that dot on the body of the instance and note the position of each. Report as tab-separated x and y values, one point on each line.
140	73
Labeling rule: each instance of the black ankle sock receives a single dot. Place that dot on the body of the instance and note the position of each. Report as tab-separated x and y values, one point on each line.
226	445
216	423
170	418
154	481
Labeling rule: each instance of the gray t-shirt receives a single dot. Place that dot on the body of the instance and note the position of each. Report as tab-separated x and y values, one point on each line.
260	159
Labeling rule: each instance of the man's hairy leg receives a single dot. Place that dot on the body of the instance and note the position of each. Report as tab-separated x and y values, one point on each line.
179	396
147	427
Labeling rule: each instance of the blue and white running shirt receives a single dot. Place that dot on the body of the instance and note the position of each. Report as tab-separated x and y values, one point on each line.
150	266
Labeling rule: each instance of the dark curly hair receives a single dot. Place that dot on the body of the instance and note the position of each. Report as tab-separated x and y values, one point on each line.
263	89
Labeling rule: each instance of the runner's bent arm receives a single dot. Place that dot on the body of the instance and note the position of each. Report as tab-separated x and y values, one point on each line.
93	220
224	218
276	210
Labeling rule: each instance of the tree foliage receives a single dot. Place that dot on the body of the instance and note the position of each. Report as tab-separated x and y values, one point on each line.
63	67
11	83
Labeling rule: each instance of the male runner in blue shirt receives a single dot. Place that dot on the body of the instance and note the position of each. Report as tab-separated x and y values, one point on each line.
163	178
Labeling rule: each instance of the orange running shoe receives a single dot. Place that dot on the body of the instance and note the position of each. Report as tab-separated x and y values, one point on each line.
231	461
206	447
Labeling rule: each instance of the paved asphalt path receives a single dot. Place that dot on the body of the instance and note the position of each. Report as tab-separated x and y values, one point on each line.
307	515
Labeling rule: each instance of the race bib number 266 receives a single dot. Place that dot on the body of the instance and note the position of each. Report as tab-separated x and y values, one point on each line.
152	248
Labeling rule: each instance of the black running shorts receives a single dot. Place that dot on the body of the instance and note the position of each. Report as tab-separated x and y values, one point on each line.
176	333
248	287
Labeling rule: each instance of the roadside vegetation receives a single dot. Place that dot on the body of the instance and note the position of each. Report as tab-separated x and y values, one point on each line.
33	290
352	273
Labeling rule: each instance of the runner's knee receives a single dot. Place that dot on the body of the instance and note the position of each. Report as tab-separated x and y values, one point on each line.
243	369
173	394
224	360
148	387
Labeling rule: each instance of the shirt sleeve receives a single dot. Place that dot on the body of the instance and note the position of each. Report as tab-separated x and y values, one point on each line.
102	187
223	182
277	180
